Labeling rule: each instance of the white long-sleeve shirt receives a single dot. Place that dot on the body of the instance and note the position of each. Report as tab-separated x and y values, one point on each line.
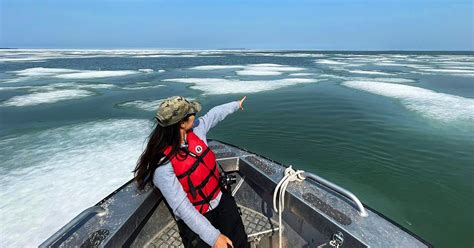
166	181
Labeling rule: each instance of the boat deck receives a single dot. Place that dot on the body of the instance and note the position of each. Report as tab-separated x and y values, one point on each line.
257	226
318	213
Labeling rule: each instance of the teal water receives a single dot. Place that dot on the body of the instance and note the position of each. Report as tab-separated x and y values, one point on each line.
394	128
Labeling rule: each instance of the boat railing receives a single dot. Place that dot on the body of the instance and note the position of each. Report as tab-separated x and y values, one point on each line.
340	190
344	192
65	232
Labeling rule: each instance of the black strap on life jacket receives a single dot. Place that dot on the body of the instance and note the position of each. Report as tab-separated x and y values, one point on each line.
204	163
206	180
195	164
192	189
207	199
204	197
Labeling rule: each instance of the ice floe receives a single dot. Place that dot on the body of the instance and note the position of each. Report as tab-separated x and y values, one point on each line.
142	87
41	55
74	74
42	72
385	80
301	74
300	55
216	86
169	56
393	64
280	54
255	72
329	62
55	86
73	85
431	104
6	88
95	74
252	69
46	97
273	67
55	174
457	72
216	67
26	59
370	72
142	104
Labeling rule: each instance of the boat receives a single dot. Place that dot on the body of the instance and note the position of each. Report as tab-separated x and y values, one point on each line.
315	213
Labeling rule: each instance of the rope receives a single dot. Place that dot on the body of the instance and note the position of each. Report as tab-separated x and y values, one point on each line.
280	190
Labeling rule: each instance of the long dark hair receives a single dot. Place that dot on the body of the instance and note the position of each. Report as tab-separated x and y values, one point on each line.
159	139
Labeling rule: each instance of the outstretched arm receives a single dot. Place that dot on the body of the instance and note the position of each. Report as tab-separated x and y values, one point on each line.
204	123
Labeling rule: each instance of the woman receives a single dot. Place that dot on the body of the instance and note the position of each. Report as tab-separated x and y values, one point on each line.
180	164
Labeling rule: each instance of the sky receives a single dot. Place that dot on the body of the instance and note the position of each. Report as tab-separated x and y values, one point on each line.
229	24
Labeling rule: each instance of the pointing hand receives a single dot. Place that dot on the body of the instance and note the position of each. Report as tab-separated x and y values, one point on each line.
242	102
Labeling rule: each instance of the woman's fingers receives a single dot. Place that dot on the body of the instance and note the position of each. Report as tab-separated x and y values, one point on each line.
223	242
229	242
242	102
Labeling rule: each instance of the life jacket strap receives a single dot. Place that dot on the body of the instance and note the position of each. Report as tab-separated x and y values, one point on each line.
195	164
207	199
206	180
192	189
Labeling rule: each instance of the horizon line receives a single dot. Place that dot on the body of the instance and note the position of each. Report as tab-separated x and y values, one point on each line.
237	49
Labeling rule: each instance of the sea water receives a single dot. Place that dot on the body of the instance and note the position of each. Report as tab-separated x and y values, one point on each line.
394	128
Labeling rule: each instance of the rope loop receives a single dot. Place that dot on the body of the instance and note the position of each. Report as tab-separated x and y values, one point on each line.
290	175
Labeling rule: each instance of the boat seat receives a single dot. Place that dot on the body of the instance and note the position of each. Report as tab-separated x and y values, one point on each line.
257	226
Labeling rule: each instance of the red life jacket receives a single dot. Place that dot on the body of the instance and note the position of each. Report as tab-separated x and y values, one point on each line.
196	170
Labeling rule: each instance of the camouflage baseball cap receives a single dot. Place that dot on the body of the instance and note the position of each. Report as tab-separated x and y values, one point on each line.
174	109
